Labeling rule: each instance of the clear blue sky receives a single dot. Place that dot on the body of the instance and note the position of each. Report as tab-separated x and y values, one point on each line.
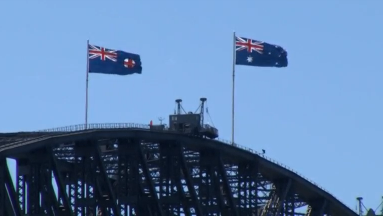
322	115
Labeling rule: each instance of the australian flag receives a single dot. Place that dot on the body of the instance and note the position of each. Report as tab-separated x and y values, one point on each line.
256	53
109	61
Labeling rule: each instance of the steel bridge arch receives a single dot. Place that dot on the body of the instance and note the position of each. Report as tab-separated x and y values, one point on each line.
308	192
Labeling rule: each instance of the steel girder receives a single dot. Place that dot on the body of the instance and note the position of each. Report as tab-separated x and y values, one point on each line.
317	209
138	177
8	200
35	189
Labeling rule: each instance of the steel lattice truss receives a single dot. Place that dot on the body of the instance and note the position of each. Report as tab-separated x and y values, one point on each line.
138	177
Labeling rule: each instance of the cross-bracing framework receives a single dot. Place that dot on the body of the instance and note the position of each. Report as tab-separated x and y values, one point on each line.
142	175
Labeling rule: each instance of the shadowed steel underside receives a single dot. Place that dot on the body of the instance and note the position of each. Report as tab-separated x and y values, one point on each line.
129	169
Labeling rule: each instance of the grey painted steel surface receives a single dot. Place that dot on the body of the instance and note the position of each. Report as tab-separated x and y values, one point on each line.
10	144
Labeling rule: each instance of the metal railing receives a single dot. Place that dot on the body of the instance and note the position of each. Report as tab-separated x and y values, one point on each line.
98	126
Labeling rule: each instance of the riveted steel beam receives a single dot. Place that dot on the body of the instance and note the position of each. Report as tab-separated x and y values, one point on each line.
105	181
289	205
123	186
219	193
229	193
177	154
89	190
285	189
131	193
148	178
4	200
248	182
11	191
308	210
209	168
85	194
103	207
40	193
8	201
64	203
273	198
21	184
171	190
33	189
190	185
323	208
48	198
318	208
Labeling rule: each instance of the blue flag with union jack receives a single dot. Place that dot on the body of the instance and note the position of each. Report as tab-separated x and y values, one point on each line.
256	53
109	61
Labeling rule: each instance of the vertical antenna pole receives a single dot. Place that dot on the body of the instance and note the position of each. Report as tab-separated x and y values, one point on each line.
360	210
178	102
202	111
233	86
86	84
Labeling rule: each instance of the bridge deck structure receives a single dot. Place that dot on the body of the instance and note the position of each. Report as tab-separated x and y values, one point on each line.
129	169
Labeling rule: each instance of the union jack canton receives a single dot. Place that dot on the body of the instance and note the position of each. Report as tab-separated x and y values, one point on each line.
248	44
102	53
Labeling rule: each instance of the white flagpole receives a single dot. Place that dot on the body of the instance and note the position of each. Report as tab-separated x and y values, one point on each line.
232	105
86	84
